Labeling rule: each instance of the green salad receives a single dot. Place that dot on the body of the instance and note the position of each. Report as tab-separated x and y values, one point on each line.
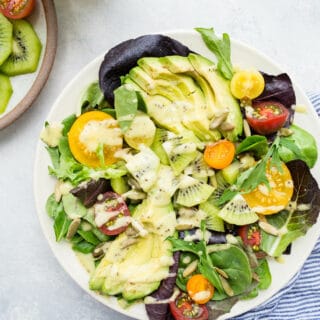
181	177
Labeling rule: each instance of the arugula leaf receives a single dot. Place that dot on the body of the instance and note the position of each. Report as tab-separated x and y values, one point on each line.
256	144
83	246
205	265
61	224
101	236
275	161
226	196
250	179
256	175
126	105
76	239
89	236
221	48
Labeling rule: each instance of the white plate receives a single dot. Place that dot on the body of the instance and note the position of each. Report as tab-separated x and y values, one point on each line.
68	102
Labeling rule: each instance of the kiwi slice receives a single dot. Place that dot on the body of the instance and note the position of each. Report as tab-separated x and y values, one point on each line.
220	185
192	192
181	150
160	137
5	38
199	169
213	221
5	92
26	50
238	212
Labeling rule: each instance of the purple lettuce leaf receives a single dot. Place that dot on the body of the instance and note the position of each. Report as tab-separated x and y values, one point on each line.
121	58
279	88
88	192
161	311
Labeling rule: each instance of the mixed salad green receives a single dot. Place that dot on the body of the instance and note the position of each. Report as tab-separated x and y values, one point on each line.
181	177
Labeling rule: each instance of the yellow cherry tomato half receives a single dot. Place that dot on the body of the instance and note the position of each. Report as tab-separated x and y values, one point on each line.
199	289
90	131
269	201
247	84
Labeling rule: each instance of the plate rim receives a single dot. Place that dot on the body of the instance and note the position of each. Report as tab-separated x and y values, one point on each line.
45	68
96	296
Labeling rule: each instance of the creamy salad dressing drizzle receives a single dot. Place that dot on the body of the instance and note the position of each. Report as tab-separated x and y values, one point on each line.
103	132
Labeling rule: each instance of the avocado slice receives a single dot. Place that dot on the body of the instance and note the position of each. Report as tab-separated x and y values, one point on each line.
196	112
162	111
186	97
136	270
186	84
181	65
159	219
121	58
223	97
155	86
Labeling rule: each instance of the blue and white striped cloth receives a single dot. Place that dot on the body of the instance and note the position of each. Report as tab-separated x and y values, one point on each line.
300	299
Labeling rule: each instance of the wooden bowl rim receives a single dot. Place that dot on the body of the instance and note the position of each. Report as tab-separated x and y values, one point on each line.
46	66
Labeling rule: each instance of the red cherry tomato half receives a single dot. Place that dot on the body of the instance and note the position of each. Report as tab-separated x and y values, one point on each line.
16	9
267	117
114	207
184	308
251	236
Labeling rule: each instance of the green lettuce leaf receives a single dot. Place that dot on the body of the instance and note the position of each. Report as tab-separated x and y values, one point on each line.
54	156
264	274
93	98
66	167
300	215
52	206
67	124
126	104
305	144
235	263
